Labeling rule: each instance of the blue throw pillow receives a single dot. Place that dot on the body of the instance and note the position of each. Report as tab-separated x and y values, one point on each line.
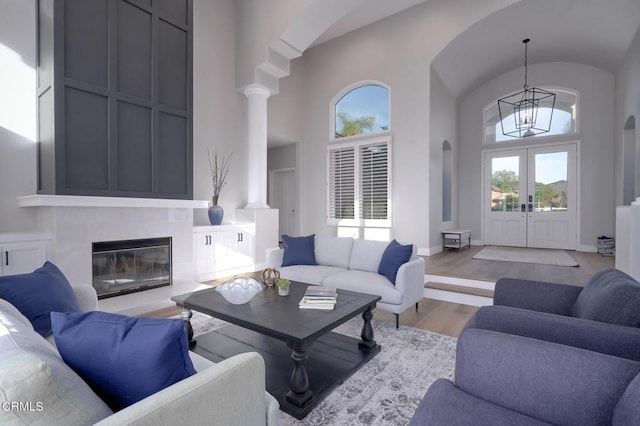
393	257
39	293
123	359
299	250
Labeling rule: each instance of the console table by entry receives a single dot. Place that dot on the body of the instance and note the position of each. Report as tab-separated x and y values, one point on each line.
456	238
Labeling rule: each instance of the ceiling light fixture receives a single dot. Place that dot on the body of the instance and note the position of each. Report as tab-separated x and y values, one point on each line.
531	108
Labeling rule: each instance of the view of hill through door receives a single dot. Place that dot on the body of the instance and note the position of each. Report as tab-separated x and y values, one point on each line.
529	197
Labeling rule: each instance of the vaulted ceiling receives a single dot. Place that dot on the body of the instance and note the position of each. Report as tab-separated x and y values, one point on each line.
592	32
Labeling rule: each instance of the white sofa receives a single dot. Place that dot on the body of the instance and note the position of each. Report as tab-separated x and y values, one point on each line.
38	388
352	264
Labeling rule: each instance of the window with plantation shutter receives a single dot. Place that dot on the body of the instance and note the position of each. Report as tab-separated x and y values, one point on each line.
342	183
358	184
373	181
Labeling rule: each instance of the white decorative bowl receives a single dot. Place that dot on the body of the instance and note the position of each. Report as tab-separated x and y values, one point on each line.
240	290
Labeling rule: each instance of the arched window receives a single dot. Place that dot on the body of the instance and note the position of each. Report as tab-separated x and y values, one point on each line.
359	164
563	121
362	110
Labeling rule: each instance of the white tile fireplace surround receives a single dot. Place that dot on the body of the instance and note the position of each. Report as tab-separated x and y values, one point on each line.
76	222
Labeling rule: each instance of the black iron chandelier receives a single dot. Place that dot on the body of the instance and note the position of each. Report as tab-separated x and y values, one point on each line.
524	107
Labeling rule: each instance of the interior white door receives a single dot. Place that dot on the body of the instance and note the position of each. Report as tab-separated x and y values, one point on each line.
530	197
283	198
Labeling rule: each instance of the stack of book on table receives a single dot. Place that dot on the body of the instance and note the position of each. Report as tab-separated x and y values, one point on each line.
319	297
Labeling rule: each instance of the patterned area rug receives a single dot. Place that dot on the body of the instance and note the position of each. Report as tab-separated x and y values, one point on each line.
386	390
526	255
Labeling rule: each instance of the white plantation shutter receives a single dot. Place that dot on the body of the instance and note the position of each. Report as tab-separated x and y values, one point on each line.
342	194
359	182
374	181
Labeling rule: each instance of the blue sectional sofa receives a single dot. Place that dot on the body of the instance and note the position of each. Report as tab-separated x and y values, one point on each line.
603	316
503	379
546	353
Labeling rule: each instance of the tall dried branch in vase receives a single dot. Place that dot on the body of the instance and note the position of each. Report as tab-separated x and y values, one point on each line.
219	167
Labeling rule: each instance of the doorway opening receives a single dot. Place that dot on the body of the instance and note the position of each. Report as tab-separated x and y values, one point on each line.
284	197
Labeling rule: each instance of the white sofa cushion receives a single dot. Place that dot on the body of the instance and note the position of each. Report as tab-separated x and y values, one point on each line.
32	371
366	255
365	282
9	312
307	273
332	251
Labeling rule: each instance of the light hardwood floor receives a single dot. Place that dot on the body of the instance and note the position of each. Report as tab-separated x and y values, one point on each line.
461	264
449	318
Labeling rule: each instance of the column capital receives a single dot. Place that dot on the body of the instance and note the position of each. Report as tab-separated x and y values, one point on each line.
257	89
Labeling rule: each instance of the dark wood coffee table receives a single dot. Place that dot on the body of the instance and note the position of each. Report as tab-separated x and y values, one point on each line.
322	359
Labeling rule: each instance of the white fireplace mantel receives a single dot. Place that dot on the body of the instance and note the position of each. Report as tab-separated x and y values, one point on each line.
76	222
82	201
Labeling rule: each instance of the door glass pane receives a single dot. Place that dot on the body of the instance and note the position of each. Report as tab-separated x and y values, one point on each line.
505	184
551	182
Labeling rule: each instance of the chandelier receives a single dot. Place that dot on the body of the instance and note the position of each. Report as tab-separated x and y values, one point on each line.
531	109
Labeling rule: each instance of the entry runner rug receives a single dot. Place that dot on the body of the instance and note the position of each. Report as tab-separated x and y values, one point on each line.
387	389
526	255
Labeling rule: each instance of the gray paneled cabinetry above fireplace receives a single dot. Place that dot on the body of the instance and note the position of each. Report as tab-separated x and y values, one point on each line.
115	98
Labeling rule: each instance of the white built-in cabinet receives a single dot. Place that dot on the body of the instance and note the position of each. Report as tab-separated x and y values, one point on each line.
223	250
23	252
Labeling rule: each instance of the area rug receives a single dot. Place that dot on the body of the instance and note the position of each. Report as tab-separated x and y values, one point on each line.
526	255
386	390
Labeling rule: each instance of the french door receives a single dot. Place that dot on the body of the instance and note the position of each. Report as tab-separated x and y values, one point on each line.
529	197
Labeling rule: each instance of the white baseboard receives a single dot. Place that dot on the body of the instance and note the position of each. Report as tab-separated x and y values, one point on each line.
455	297
435	250
425	252
461	298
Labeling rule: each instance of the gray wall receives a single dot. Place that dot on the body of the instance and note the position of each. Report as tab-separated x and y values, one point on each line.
396	51
597	149
627	105
331	67
443	127
17	113
219	110
282	157
301	113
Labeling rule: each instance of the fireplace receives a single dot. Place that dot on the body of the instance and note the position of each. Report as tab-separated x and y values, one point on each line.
127	266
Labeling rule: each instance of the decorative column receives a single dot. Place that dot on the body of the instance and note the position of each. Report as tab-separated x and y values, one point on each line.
257	134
